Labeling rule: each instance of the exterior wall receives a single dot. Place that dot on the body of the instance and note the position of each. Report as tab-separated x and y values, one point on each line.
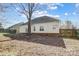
23	29
17	29
50	27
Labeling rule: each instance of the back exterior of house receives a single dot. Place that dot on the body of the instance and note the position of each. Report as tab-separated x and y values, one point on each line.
42	25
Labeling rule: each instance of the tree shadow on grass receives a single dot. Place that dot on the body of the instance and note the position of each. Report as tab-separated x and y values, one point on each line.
46	40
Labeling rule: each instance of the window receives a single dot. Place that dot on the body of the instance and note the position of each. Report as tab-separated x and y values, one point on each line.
34	28
41	28
54	27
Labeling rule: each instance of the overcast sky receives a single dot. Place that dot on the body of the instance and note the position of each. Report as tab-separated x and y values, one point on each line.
62	11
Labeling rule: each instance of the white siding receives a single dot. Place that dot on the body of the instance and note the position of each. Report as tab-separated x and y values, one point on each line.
23	29
50	27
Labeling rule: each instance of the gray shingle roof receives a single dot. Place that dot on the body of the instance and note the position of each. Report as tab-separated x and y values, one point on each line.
43	19
19	24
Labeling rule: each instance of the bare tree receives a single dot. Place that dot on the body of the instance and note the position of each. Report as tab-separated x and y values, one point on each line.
2	10
27	9
69	25
0	25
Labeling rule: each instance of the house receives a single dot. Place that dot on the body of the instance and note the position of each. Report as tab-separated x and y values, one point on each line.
16	27
42	25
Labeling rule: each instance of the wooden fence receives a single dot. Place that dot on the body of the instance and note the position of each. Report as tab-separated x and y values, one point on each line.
68	32
77	33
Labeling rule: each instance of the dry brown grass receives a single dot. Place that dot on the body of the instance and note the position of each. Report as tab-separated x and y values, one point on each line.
24	48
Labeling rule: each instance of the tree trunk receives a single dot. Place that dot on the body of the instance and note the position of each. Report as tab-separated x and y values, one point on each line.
29	28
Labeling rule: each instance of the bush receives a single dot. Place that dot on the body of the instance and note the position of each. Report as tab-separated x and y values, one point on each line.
7	31
10	31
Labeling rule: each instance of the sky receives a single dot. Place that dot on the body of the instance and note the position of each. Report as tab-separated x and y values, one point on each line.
61	11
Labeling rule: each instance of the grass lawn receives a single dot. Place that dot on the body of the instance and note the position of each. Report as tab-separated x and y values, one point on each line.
2	37
34	47
2	34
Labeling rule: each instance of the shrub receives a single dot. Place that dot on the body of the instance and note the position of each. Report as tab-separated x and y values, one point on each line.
7	31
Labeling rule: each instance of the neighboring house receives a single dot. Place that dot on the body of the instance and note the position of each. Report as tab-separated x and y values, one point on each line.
42	25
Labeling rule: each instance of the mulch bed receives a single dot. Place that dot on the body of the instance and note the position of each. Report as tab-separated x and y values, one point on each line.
46	40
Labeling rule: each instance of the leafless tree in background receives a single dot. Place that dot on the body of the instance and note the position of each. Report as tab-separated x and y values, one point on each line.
2	10
69	24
